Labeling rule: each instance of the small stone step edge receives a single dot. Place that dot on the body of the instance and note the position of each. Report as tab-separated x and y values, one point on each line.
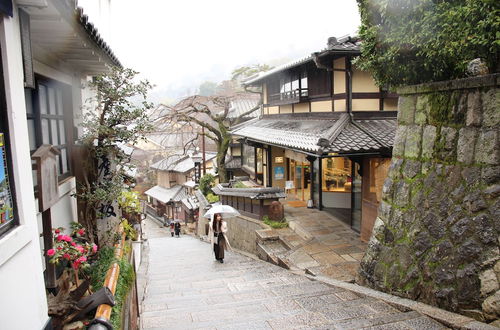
450	319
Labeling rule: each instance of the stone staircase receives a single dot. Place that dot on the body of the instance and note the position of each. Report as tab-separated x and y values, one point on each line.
274	246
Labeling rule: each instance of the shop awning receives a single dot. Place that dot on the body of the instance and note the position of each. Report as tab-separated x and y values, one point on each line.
166	195
323	133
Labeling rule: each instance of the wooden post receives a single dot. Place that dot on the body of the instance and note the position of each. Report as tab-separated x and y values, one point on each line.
48	195
203	149
50	268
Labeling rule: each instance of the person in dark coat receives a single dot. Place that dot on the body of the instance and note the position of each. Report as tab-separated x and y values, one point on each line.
172	228
177	228
217	233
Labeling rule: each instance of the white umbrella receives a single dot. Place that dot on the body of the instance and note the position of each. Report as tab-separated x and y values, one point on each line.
226	211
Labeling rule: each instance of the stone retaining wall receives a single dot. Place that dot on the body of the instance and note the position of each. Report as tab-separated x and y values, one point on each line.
242	233
436	238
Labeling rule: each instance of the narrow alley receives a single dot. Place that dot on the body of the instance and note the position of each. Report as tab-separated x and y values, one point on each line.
183	287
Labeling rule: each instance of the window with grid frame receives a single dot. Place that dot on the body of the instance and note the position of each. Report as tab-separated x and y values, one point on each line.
49	113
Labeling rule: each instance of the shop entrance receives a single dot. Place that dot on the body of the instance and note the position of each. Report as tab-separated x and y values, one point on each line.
301	178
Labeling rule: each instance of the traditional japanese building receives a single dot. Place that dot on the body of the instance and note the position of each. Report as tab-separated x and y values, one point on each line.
325	134
49	51
177	177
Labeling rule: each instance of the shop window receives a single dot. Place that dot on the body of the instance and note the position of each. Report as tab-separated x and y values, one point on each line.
248	161
336	174
46	107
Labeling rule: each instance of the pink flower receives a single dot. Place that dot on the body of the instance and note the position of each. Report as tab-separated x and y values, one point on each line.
81	232
94	248
67	238
66	256
76	264
60	237
81	259
80	249
59	248
73	244
51	252
57	231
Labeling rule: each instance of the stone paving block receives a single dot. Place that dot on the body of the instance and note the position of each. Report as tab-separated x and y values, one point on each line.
347	250
257	325
306	320
316	248
327	258
347	312
281	304
167	320
347	257
348	295
424	323
376	321
245	296
311	303
357	256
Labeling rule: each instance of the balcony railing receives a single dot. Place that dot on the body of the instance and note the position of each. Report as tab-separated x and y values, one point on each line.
289	97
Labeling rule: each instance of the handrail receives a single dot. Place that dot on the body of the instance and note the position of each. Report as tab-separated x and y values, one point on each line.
103	314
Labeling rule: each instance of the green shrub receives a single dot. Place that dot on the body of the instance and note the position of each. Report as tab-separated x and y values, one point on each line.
239	184
211	198
126	278
409	42
206	183
130	232
275	224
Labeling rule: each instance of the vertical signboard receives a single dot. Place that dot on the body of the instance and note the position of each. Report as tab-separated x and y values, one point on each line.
6	205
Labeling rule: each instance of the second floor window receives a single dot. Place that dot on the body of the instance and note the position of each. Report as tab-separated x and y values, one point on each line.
47	110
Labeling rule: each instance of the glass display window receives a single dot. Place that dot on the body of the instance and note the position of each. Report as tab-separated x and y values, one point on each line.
336	174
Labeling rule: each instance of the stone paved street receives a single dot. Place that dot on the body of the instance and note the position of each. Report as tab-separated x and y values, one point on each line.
187	289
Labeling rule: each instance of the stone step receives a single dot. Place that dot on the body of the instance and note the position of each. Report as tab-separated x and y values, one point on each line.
269	250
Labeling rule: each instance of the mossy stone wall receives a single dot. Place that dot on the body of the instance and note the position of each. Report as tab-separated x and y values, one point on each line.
436	238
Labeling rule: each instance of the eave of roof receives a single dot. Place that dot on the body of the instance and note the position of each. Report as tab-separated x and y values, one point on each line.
320	134
344	46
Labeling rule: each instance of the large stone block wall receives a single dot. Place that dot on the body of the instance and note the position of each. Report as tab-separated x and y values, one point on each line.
436	238
242	233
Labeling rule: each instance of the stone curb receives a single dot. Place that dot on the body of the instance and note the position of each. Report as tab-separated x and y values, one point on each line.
452	320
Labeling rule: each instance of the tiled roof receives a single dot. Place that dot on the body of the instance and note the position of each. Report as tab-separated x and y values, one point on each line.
179	163
191	203
288	132
95	36
341	45
253	193
165	195
320	134
242	105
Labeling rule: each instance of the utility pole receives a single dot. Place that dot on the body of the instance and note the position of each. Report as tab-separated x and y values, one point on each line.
203	149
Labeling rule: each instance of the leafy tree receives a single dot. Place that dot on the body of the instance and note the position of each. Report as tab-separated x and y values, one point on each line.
206	183
243	72
208	88
207	116
410	42
112	118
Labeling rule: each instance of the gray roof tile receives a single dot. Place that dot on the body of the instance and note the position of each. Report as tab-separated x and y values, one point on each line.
320	134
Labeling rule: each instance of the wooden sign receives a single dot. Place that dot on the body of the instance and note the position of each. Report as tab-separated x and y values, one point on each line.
278	160
46	171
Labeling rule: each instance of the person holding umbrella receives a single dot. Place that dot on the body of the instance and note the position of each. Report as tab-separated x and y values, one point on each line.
217	233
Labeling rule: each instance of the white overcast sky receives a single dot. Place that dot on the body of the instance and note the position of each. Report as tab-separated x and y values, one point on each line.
186	42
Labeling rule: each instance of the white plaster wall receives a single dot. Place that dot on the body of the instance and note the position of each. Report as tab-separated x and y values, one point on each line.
23	301
63	212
